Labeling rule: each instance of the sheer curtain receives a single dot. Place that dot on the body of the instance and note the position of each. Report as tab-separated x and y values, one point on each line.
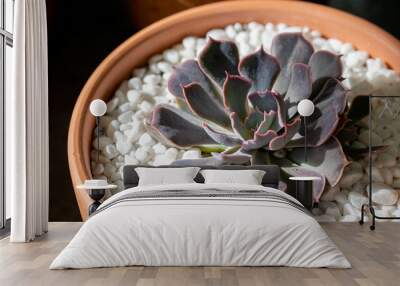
27	124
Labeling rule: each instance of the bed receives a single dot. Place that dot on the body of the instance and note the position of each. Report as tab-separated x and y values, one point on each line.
198	224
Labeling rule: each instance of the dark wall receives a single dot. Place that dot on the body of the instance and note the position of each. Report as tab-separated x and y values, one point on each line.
83	33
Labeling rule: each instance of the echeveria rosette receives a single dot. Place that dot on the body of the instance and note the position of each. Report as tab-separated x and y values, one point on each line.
249	106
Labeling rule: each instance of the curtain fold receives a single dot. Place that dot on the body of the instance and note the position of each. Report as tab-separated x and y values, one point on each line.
27	124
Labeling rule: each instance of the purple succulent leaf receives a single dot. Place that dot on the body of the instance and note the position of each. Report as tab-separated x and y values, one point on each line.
288	49
261	68
235	95
322	128
333	94
204	105
263	101
318	185
260	140
155	133
299	88
270	101
186	73
328	159
280	141
324	65
179	127
253	120
238	127
322	124
281	110
221	137
268	120
218	58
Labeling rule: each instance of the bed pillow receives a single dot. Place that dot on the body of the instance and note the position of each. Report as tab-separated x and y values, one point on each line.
246	177
164	176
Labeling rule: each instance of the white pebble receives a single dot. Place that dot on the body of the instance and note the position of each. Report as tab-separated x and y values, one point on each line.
383	195
152	79
230	31
98	169
356	59
109	170
164	67
217	34
281	26
238	27
151	89
162	159
141	154
134	96
357	199
110	151
159	148
135	83
348	209
346	48
133	133
242	37
189	42
171	56
125	107
172	152
131	160
125	117
146	140
155	59
335	44
146	106
192	154
123	146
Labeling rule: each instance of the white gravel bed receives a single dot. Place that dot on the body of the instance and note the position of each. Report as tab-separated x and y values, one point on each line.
125	140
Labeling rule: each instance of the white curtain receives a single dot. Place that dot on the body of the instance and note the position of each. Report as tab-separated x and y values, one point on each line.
27	124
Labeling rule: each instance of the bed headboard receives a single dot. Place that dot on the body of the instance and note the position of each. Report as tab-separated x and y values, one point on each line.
271	177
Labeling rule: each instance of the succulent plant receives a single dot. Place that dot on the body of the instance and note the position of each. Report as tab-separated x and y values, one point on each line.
248	107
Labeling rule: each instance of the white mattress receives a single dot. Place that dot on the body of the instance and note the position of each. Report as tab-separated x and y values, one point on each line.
200	231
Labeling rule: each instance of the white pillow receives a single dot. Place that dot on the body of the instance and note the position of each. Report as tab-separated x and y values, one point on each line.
247	177
164	176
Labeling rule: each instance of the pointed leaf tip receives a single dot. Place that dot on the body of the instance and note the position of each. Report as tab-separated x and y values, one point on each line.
261	68
218	57
288	49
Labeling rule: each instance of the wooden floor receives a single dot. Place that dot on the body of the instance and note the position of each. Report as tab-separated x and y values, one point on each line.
375	257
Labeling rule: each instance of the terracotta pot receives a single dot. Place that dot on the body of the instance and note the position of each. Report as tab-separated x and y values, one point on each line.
147	12
135	51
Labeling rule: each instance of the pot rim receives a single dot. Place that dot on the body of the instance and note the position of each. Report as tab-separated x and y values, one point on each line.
120	62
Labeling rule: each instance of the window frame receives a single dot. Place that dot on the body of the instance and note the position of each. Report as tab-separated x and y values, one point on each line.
6	39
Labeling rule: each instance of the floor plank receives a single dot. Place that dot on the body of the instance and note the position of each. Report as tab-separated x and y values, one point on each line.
375	257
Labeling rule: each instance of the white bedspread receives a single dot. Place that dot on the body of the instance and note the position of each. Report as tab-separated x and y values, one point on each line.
200	231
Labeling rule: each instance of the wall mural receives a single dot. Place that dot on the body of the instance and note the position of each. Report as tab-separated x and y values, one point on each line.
233	99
